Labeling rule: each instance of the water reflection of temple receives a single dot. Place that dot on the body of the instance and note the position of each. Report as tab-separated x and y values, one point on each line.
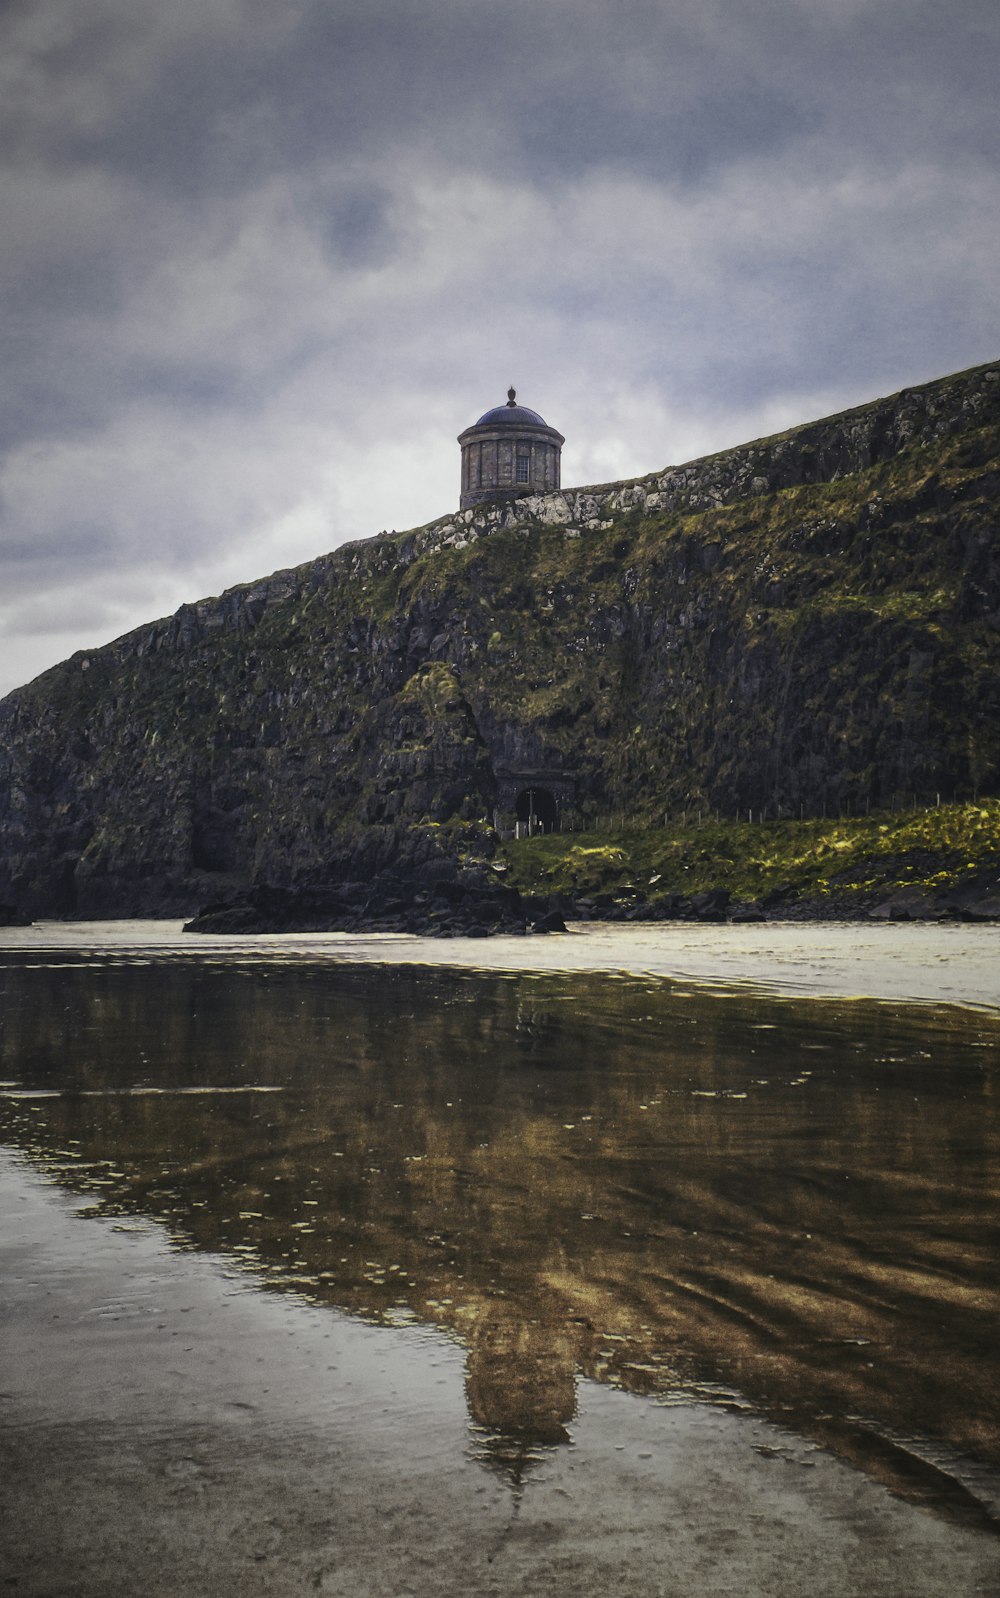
589	1179
521	1374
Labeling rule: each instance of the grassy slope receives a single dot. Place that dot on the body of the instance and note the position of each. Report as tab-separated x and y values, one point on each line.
829	640
937	850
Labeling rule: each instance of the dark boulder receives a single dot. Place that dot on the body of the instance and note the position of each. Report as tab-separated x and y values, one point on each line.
710	905
668	906
784	893
981	910
471	904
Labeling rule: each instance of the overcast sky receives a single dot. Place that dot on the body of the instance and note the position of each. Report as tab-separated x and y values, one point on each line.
262	260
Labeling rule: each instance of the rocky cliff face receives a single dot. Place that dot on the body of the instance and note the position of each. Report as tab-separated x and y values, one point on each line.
810	620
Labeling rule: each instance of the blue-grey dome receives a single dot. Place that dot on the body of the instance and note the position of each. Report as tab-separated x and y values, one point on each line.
511	415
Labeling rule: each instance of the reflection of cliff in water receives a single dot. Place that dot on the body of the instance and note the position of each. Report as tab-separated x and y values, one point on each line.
576	1175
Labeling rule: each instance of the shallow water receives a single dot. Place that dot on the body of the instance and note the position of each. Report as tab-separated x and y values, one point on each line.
919	963
746	1234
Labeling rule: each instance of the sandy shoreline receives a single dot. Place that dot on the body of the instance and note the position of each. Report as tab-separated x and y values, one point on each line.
170	1424
909	963
170	1428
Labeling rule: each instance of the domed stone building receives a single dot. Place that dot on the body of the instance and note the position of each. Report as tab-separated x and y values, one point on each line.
510	451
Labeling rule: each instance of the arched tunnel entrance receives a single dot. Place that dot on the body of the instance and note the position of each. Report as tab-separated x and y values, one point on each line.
537	807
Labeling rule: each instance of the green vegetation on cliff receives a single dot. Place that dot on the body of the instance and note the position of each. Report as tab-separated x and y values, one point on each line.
807	625
950	850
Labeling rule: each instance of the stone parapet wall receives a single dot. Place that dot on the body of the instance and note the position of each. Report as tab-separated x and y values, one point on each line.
818	452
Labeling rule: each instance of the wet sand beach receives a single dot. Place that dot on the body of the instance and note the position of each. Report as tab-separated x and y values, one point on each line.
607	1263
921	962
171	1429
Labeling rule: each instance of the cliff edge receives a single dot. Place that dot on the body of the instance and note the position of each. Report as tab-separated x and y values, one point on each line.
809	621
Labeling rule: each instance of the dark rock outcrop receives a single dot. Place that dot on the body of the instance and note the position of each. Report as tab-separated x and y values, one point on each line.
808	621
10	916
434	905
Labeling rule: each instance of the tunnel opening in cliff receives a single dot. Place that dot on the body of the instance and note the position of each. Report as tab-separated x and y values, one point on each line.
537	807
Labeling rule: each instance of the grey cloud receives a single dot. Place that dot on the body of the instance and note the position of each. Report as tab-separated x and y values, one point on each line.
358	225
261	263
673	89
539	93
78	547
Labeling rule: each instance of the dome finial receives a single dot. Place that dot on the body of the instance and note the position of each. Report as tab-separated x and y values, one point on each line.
511	396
